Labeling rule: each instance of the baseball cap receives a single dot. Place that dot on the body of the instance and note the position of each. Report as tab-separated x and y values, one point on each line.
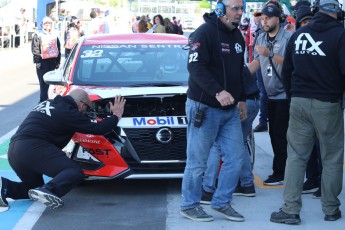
303	13
300	3
270	11
328	2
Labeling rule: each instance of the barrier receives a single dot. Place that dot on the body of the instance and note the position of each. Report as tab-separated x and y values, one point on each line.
8	36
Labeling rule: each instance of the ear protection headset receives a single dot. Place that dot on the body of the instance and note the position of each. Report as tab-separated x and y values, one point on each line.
220	9
340	13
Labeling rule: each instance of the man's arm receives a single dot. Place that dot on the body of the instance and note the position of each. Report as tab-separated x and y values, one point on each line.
199	62
254	66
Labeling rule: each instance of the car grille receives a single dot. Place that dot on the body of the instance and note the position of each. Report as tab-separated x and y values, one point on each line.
149	149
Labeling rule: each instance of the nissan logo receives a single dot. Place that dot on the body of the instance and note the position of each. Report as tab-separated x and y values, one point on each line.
164	135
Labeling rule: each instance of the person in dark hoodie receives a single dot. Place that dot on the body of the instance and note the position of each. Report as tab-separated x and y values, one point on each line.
216	61
313	76
314	166
35	149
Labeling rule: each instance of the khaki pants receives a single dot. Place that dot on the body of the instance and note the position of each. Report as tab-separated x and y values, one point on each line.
311	118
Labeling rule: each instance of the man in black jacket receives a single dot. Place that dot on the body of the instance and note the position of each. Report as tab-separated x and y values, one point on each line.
35	149
216	60
313	71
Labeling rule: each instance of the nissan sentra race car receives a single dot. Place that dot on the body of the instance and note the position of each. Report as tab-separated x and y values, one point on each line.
150	71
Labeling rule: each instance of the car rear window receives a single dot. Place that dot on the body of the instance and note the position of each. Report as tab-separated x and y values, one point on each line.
125	65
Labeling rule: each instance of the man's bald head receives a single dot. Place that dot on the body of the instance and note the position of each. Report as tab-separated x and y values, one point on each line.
80	97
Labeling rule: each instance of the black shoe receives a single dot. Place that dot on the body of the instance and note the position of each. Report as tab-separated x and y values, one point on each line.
285	218
317	194
274	180
260	128
46	197
310	186
3	201
333	217
206	197
245	191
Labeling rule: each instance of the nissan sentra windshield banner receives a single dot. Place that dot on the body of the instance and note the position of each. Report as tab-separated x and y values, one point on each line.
154	122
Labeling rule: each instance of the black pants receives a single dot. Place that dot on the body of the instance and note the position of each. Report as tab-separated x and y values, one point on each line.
278	117
46	66
67	52
33	158
17	38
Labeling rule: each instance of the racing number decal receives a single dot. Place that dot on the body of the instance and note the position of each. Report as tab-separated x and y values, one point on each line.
91	53
193	57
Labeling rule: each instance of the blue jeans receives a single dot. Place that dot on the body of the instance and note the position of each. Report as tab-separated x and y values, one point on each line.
263	116
224	128
213	164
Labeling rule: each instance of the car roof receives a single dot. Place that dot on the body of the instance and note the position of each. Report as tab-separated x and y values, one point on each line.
136	38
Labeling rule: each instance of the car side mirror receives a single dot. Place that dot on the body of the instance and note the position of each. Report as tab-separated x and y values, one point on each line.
54	77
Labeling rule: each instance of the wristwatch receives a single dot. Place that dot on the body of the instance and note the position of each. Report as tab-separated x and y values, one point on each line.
271	54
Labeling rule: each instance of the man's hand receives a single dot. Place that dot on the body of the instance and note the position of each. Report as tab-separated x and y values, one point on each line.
262	51
118	107
242	110
225	98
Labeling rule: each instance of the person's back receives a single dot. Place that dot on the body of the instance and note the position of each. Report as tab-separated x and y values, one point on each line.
317	60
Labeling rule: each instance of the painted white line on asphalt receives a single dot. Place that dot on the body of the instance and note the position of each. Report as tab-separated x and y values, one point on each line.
30	217
8	135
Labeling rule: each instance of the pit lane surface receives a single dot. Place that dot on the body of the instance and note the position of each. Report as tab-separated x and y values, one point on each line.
129	204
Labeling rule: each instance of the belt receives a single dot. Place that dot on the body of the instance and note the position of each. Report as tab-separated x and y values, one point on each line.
253	96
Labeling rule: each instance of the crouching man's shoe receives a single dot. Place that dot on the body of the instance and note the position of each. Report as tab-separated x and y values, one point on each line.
285	218
46	197
334	217
3	201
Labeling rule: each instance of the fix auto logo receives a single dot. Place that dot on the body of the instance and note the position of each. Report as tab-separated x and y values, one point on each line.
159	121
305	39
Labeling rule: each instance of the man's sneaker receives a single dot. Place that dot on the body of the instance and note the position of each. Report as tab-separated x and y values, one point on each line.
317	194
197	214
230	213
206	197
260	128
244	191
3	201
285	218
310	186
274	180
334	217
46	197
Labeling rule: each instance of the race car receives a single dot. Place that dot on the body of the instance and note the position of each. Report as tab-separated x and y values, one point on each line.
150	71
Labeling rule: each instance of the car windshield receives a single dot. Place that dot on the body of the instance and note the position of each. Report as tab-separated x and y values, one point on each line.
127	65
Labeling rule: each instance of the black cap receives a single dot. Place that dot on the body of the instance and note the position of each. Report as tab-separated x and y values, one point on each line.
300	3
270	11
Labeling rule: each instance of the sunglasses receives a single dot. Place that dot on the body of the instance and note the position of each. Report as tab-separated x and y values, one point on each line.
87	106
235	8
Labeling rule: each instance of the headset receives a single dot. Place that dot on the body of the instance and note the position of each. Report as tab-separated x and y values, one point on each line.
220	9
340	13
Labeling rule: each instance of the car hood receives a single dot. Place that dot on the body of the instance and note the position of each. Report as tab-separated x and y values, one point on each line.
104	93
